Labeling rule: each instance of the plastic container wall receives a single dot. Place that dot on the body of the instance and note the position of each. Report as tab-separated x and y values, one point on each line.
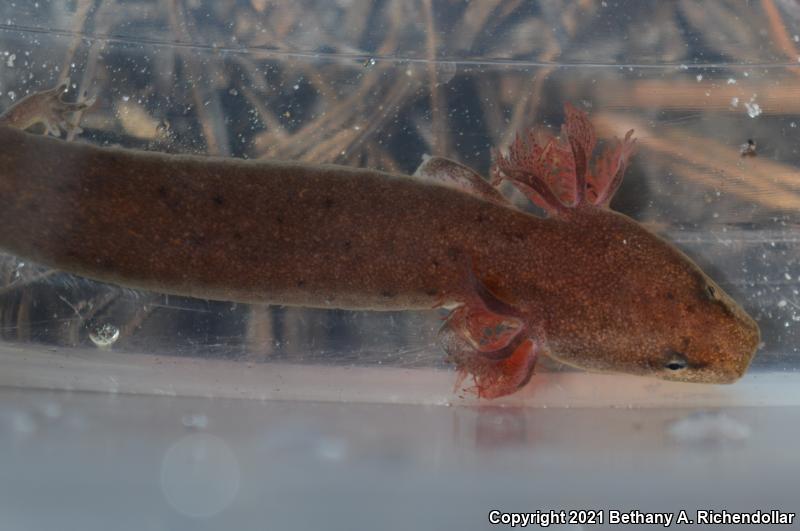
346	428
380	86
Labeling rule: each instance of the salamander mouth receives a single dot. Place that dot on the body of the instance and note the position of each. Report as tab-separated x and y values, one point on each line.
728	370
712	376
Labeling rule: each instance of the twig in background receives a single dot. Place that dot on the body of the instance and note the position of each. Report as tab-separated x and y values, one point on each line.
438	101
712	164
781	37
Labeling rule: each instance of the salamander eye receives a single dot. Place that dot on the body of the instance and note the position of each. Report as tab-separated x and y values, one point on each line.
676	362
711	290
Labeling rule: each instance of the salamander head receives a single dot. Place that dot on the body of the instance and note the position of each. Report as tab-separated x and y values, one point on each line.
657	313
613	296
719	342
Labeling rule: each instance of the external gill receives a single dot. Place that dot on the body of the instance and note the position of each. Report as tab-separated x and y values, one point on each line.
556	175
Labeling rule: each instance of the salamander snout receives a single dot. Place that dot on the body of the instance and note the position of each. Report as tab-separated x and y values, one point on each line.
718	349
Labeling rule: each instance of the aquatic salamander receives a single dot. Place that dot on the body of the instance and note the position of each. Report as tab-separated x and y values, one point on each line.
586	285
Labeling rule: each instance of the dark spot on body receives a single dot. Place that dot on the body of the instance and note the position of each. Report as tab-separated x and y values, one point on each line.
218	200
388	294
328	202
431	292
172	203
196	240
237	235
454	253
670	296
435	264
279	220
301	283
514	237
347	245
479	218
64	188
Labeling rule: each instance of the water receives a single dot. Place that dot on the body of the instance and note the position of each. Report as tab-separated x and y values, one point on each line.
254	90
342	426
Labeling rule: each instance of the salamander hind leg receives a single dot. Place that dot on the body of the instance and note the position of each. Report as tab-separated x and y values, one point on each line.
48	108
490	342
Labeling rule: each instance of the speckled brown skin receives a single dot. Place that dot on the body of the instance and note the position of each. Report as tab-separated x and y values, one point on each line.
591	287
250	231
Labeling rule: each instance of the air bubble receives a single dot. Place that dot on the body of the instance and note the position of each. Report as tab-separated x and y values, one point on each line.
104	335
753	109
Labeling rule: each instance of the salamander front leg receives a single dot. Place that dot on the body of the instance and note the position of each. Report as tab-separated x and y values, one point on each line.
491	342
498	373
